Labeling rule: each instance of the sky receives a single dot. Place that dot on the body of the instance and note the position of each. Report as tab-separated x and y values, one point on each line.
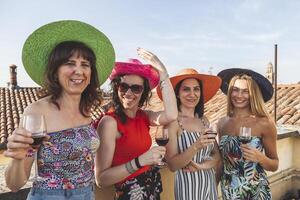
205	35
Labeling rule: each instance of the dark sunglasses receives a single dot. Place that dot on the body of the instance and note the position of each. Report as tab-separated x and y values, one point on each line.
136	89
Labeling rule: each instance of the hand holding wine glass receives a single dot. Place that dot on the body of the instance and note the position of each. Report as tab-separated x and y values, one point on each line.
162	138
35	124
211	132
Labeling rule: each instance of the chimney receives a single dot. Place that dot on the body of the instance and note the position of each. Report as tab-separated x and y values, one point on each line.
270	73
13	77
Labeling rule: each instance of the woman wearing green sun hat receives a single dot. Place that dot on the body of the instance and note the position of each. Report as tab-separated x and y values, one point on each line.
69	59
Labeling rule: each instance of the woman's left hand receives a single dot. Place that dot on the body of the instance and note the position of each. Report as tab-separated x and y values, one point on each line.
153	60
191	167
251	154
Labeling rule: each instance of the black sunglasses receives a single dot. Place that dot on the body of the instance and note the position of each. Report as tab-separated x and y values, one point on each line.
135	88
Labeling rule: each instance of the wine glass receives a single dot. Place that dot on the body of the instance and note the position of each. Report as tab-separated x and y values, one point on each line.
245	134
211	130
35	123
162	138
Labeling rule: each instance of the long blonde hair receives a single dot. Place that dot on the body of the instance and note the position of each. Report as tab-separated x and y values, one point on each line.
257	104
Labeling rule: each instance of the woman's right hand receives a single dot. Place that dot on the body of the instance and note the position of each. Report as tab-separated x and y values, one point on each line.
152	156
204	140
18	144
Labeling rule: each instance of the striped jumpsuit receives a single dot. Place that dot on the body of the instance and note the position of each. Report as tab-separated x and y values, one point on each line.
194	185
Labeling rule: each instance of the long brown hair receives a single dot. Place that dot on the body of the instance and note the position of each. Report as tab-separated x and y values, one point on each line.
257	104
60	55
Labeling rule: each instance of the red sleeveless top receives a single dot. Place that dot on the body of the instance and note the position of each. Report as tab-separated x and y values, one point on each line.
134	141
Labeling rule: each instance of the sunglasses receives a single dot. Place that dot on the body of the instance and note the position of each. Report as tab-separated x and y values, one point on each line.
136	89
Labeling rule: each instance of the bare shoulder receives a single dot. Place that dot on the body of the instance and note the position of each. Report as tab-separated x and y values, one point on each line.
265	122
222	121
267	125
173	125
174	128
221	124
40	106
107	121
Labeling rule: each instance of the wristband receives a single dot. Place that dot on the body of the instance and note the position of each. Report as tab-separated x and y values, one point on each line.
137	163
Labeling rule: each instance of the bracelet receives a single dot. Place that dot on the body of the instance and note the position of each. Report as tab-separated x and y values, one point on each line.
129	167
163	82
137	163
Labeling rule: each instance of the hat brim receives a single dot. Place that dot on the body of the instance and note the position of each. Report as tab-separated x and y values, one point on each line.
210	83
41	42
263	83
143	70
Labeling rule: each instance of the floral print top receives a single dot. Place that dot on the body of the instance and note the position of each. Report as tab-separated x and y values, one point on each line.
66	161
242	179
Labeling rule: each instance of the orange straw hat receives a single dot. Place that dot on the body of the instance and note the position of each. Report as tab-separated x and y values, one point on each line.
211	84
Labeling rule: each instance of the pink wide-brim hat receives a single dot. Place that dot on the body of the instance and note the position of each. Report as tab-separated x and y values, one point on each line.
136	67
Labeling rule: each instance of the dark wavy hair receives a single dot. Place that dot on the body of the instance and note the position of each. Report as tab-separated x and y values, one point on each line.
60	55
199	109
118	107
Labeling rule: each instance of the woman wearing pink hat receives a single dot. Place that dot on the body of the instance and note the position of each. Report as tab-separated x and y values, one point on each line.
191	153
247	136
125	156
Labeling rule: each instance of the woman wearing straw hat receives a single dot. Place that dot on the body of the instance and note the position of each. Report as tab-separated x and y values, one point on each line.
125	156
189	148
69	59
244	163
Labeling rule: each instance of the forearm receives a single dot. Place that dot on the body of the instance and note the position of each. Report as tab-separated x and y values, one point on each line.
218	170
15	175
169	100
268	163
113	175
180	160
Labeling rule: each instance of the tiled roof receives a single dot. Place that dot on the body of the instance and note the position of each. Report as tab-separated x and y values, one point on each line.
288	105
13	102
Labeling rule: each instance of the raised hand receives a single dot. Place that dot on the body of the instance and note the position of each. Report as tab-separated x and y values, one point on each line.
154	61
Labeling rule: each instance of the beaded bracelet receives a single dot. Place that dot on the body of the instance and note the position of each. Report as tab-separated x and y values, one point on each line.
129	167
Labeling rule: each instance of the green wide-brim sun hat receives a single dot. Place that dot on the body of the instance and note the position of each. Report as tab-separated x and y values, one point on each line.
41	42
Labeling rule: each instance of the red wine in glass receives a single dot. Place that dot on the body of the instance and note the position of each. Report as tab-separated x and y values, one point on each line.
245	139
162	141
211	132
38	138
162	138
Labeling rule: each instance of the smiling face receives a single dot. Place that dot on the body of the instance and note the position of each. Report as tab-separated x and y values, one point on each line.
129	99
240	97
189	93
74	75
